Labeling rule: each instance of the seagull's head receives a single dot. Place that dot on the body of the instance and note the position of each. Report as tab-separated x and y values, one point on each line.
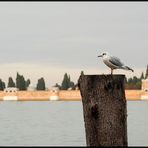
103	54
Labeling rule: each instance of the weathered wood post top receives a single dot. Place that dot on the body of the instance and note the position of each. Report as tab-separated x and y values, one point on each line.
104	109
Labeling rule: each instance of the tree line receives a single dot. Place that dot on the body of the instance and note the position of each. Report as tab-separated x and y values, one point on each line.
21	83
130	83
135	82
67	83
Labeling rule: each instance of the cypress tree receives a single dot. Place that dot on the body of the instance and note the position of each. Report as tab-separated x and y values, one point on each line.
11	82
23	83
41	84
2	85
130	80
142	76
135	80
20	82
65	82
70	83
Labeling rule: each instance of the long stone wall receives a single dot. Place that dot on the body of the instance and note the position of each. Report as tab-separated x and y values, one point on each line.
63	95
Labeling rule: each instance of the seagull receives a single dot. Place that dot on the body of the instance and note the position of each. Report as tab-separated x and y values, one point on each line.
113	62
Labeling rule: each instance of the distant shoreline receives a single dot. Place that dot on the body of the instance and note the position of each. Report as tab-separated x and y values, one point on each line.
63	95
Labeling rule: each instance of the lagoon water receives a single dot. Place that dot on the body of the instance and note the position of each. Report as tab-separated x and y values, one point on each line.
60	123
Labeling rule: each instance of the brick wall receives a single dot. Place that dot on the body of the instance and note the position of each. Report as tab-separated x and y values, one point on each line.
64	95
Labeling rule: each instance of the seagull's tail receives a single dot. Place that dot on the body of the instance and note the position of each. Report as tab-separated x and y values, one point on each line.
127	68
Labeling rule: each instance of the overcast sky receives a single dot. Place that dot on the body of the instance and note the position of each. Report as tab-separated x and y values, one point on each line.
47	39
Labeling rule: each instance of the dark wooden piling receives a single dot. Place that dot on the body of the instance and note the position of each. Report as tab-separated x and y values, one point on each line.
104	109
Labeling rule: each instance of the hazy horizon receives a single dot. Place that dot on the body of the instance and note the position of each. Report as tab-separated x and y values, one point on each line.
48	39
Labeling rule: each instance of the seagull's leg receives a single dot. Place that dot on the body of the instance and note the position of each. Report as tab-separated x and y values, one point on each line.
111	71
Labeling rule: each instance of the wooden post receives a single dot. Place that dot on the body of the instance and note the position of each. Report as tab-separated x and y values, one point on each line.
104	109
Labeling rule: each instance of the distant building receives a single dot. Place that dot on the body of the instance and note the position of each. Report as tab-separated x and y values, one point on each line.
54	90
54	94
10	89
145	84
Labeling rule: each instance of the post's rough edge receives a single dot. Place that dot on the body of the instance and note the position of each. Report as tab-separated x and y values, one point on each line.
99	75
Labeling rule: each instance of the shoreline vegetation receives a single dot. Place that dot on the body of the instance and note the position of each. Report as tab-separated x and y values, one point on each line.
22	90
23	84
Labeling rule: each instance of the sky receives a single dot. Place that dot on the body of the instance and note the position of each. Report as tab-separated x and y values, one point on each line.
48	39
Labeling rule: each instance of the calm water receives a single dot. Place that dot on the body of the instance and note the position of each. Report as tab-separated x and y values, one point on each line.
60	123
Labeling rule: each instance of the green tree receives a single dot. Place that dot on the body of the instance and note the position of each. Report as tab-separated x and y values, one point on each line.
142	76
41	84
11	82
71	84
130	80
20	82
65	82
135	79
2	85
133	83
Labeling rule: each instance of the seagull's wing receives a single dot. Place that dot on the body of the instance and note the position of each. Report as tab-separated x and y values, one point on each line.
115	61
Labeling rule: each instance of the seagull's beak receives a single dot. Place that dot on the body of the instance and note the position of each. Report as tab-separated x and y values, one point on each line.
100	56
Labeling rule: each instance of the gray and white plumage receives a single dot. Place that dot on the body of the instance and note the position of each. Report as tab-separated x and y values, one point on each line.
113	62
